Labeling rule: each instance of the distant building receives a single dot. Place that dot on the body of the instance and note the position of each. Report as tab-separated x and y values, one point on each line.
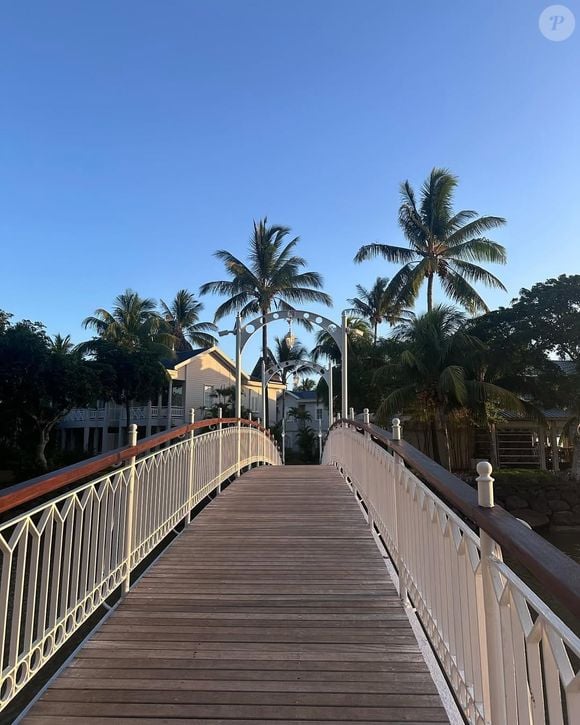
195	381
308	401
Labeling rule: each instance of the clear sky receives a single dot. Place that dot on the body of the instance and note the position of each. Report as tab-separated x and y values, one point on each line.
139	136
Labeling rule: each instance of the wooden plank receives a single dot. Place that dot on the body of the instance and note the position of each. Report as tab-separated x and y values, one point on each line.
273	606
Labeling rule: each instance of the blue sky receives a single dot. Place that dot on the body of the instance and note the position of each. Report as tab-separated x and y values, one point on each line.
137	137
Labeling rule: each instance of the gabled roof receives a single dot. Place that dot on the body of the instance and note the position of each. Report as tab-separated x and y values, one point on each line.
182	357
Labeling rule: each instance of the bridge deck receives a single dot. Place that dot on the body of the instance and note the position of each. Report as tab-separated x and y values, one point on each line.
273	606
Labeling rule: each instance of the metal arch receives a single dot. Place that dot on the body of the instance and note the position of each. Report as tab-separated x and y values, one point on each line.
273	369
323	322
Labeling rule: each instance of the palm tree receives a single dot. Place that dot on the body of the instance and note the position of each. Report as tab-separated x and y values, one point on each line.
377	305
182	318
442	243
430	378
285	353
62	345
132	323
271	278
133	334
326	347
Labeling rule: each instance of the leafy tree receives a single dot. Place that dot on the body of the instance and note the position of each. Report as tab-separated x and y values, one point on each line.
377	305
272	277
39	385
431	379
442	243
130	344
284	353
182	319
548	315
128	375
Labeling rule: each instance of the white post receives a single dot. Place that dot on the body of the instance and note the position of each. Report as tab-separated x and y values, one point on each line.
130	512
330	396
169	401
366	420
494	692
220	427
344	361
319	441
239	388
396	429
283	440
264	398
351	413
148	420
191	463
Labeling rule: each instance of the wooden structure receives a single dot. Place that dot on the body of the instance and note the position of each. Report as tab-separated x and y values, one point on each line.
275	604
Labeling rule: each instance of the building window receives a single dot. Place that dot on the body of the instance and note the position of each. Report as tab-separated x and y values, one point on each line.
318	413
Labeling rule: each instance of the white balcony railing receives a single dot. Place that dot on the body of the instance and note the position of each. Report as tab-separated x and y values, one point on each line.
508	657
116	414
60	560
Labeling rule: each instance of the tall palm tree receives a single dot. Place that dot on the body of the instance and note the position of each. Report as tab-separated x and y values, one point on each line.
377	305
442	243
430	378
131	323
271	278
182	318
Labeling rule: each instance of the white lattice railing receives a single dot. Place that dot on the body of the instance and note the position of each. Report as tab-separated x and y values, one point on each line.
60	560
509	659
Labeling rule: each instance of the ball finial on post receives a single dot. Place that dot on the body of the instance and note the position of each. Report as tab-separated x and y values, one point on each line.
485	484
396	429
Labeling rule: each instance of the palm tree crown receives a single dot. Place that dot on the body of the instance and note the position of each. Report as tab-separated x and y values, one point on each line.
132	323
182	319
377	305
273	277
442	243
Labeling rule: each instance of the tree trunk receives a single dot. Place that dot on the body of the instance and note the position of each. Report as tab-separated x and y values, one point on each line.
266	420
434	441
576	459
493	446
430	292
128	413
376	332
40	449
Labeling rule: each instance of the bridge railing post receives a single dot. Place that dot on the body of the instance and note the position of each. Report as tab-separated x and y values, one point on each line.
191	464
220	436
130	512
366	421
493	680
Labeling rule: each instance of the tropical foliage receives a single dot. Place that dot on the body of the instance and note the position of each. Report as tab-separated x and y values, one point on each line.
272	277
443	244
181	317
377	306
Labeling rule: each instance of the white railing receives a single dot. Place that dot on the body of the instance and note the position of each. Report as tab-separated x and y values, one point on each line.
117	413
508	657
61	559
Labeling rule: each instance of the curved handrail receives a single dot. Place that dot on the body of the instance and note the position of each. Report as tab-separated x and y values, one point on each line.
26	491
554	570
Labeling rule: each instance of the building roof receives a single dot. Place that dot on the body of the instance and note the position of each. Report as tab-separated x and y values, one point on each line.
304	394
181	357
568	367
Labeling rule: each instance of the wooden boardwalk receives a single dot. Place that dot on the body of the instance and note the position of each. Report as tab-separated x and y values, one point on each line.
274	606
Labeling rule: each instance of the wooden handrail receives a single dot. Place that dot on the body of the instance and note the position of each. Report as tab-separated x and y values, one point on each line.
555	571
48	483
